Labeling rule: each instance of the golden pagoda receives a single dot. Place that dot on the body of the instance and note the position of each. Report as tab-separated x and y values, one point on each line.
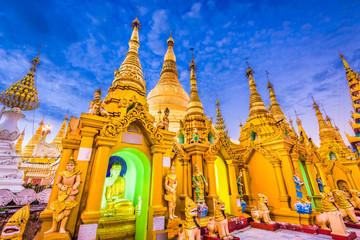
129	178
168	92
354	87
61	134
28	150
340	164
18	145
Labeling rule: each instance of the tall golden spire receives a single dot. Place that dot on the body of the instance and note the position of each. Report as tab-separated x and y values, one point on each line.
324	128
291	125
302	132
18	145
220	123
346	65
195	105
23	93
257	105
61	134
29	148
169	73
130	71
168	92
276	111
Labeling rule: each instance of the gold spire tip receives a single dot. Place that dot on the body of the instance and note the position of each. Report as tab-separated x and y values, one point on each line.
249	70
36	61
192	63
136	22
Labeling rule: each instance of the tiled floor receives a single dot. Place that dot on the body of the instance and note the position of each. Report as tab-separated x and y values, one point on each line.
281	234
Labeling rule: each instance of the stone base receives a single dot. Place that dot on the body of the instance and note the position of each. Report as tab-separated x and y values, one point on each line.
206	237
265	226
237	223
290	216
117	227
352	225
57	236
313	229
351	236
324	231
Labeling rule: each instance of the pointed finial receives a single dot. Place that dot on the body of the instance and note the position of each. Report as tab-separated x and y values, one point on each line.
192	63
36	61
66	117
341	55
170	41
217	103
136	22
314	104
246	61
269	85
249	70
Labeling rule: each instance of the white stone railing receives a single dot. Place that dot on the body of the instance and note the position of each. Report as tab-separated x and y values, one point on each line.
24	197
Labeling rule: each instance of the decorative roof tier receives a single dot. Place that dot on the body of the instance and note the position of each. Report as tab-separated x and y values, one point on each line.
130	71
354	86
257	105
168	92
195	105
220	123
29	148
275	109
23	93
61	134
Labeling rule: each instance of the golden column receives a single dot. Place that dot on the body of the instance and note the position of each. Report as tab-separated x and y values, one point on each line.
234	191
351	180
91	214
210	161
316	193
283	195
47	215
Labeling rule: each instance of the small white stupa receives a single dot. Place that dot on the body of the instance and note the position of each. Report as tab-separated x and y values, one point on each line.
20	96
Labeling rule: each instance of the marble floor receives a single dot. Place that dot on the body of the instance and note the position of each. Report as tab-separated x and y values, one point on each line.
281	234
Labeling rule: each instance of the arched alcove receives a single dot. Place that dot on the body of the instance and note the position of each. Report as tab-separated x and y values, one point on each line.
137	183
222	182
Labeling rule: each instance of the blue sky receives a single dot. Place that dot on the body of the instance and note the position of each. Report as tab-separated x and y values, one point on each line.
84	41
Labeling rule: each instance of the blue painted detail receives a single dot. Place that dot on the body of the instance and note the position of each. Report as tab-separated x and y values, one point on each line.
202	210
122	162
243	205
303	208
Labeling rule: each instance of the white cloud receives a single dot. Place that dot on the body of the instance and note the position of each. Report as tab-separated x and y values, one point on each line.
194	11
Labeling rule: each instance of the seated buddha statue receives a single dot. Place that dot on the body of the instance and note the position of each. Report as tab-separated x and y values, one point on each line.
116	204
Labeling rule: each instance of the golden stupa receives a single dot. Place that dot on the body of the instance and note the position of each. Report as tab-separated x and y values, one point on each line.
168	92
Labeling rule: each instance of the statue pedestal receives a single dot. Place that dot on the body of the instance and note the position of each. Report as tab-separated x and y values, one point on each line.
10	176
351	236
57	236
173	227
117	227
265	226
352	225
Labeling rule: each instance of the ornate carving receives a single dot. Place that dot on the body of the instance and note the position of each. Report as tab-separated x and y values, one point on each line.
26	196
178	149
138	113
6	196
44	196
271	156
222	141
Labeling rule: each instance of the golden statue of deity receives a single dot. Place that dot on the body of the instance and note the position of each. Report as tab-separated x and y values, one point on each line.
96	107
68	183
199	184
170	187
115	193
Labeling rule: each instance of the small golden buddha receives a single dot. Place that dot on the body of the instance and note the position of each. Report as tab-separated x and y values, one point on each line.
115	193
